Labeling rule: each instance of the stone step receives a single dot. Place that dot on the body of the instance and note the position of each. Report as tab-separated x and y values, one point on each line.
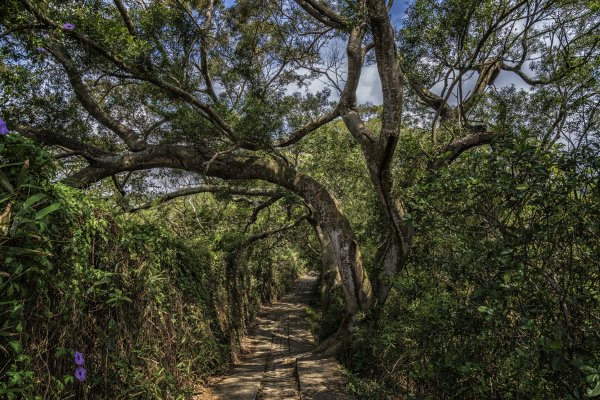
281	365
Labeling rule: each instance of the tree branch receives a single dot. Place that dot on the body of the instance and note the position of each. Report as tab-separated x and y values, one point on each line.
453	150
308	128
118	186
266	234
266	204
488	72
430	99
89	152
126	19
133	141
208	189
392	86
323	13
347	103
20	28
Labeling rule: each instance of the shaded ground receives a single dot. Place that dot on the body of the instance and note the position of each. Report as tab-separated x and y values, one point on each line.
280	364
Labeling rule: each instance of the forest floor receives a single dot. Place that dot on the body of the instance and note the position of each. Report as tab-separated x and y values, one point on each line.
278	361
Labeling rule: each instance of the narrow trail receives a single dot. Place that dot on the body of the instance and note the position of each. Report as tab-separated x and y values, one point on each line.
281	364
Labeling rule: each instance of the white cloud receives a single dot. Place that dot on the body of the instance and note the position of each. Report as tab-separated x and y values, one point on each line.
369	86
368	91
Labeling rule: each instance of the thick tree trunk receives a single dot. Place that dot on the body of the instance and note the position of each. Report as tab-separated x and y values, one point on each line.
342	246
341	252
397	232
330	275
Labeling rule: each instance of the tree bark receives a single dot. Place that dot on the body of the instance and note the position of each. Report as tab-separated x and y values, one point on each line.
329	273
342	246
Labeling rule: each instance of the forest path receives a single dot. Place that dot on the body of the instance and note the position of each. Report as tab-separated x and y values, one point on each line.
280	364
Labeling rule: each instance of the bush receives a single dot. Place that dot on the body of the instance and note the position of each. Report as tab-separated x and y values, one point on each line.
77	277
501	297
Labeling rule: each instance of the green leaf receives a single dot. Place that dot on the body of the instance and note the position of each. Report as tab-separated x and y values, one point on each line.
47	210
595	391
33	199
21	251
556	362
30	186
522	186
6	183
16	346
11	164
486	310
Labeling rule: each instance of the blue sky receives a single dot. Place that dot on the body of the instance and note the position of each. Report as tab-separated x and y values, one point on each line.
369	89
397	9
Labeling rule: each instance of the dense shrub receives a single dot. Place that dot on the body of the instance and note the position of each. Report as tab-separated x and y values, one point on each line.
146	308
502	294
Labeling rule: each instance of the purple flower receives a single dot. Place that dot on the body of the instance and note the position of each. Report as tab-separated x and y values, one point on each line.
68	26
80	374
41	50
3	128
79	358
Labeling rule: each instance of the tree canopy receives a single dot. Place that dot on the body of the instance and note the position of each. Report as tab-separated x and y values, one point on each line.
486	106
196	86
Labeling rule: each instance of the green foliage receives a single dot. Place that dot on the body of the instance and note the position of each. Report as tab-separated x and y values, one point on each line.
148	310
500	298
25	220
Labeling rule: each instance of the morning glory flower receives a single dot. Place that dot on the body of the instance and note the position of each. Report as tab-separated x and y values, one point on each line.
68	26
80	374
3	127
79	358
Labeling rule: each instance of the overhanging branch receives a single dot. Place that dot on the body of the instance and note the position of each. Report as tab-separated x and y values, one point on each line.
452	151
265	204
266	234
51	138
133	141
207	189
308	128
323	13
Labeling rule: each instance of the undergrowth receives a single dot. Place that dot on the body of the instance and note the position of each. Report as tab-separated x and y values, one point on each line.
146	308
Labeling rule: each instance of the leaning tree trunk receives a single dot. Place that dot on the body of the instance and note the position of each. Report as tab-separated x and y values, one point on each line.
330	275
339	246
342	247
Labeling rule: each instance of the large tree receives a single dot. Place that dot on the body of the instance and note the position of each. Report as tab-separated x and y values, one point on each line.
135	85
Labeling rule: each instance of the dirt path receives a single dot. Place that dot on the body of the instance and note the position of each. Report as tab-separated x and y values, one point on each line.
281	364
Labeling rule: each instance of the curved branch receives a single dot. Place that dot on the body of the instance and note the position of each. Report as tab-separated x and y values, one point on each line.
308	128
89	152
347	104
453	150
386	55
20	28
266	234
488	72
207	189
266	204
323	13
126	18
430	99
133	141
